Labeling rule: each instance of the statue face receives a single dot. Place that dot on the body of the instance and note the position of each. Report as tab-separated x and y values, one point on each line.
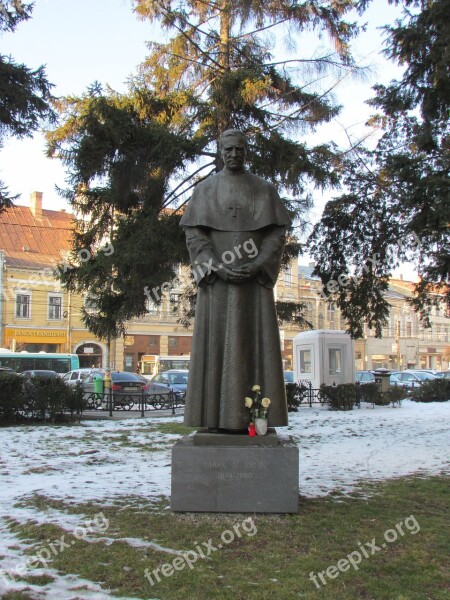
233	153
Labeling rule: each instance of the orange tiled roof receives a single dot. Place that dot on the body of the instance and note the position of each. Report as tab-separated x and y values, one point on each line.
34	242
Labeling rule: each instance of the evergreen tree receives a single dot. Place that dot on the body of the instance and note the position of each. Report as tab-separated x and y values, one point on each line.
396	206
218	70
120	154
24	93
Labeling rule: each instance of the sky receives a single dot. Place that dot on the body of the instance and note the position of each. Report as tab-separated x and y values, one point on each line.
81	41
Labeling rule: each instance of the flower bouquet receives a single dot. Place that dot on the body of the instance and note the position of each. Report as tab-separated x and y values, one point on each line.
259	407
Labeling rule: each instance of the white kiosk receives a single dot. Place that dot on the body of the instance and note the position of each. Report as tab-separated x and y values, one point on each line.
323	356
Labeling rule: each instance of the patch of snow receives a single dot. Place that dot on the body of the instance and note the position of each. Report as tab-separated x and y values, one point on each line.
104	461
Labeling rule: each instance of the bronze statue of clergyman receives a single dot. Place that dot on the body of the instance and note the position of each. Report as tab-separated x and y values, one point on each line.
235	226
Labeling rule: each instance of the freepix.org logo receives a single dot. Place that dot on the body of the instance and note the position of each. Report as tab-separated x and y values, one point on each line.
45	555
207	267
203	551
366	550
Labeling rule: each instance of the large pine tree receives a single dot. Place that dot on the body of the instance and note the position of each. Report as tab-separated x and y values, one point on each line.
133	159
24	93
397	203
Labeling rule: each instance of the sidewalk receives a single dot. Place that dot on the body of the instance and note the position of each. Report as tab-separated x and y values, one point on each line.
95	415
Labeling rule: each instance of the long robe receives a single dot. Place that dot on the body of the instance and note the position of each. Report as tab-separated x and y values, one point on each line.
234	219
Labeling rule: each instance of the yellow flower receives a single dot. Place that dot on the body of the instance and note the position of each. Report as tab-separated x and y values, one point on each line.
265	402
256	388
248	402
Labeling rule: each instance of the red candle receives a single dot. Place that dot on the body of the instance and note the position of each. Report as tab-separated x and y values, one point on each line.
251	430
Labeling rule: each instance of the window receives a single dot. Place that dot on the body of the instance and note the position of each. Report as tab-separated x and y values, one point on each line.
331	313
309	311
173	342
23	306
334	356
175	298
90	303
288	275
54	307
305	361
151	307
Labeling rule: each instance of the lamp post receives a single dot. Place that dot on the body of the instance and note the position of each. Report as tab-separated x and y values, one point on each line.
69	326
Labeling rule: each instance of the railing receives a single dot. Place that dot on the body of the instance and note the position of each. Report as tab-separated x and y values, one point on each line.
111	401
303	394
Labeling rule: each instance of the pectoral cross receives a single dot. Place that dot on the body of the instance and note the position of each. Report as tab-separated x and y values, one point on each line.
234	207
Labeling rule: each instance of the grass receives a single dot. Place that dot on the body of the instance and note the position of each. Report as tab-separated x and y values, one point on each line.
273	556
17	596
125	437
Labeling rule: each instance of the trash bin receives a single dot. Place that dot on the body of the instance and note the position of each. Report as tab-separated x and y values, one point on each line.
98	385
107	380
382	379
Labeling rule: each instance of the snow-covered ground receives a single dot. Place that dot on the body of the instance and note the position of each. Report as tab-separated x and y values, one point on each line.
104	461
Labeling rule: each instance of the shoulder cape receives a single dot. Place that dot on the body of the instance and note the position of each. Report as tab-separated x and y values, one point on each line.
268	209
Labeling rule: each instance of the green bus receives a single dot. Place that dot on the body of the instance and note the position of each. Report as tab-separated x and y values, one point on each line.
26	361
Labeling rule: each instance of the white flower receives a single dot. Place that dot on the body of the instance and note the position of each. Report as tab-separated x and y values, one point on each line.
265	402
248	402
256	388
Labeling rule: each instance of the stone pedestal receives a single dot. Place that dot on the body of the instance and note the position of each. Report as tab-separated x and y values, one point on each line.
235	473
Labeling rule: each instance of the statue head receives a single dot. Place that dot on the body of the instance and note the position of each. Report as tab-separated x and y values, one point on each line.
233	149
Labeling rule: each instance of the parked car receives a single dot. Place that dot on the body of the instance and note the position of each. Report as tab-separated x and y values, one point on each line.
445	374
364	376
175	380
41	373
152	388
393	379
6	370
126	388
434	372
79	375
409	378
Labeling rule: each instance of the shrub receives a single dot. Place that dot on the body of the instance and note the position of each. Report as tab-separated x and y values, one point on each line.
45	395
394	394
436	390
292	397
369	392
74	398
340	397
38	398
10	394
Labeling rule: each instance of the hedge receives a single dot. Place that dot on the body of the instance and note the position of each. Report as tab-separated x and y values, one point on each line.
38	398
436	390
340	397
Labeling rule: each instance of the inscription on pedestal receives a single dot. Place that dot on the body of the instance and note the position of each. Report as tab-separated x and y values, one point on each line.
236	470
234	479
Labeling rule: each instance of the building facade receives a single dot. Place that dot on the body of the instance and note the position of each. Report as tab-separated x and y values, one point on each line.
405	342
38	315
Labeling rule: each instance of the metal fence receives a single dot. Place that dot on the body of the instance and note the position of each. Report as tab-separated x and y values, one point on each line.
143	402
303	394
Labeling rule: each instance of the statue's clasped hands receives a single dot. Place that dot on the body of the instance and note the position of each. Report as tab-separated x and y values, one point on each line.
239	274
